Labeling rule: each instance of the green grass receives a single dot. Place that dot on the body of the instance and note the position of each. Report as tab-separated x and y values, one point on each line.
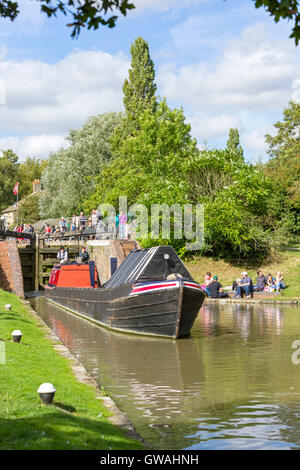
75	420
287	262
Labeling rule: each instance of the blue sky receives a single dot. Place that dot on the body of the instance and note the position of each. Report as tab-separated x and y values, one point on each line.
225	62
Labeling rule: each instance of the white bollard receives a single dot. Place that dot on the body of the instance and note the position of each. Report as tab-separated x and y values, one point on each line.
46	392
17	335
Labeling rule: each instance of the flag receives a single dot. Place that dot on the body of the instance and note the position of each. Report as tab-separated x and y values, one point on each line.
16	189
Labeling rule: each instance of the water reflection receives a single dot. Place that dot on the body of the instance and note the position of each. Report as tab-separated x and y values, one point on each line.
243	318
230	385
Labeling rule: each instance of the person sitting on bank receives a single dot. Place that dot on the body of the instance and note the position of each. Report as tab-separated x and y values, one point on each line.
207	281
83	256
235	285
245	285
62	255
261	282
279	281
215	289
271	284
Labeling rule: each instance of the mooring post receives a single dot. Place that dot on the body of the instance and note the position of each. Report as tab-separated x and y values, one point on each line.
36	274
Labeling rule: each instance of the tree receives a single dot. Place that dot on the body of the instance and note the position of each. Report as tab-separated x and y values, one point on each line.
139	90
284	151
8	178
28	208
244	213
83	12
233	144
71	173
148	167
89	12
28	171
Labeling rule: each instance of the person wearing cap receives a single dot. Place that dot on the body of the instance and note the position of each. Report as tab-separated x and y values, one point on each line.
83	256
62	255
245	285
215	288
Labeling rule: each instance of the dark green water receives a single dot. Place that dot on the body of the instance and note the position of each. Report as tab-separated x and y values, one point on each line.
231	385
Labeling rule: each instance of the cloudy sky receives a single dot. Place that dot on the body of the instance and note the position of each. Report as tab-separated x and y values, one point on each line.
226	63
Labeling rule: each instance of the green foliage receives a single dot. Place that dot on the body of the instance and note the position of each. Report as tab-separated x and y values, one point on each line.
233	144
84	13
208	172
284	150
29	209
9	9
8	178
70	175
283	9
88	14
139	90
28	171
286	143
246	213
241	204
148	166
12	171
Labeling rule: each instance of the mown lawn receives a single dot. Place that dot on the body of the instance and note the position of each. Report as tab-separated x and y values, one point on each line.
287	262
76	420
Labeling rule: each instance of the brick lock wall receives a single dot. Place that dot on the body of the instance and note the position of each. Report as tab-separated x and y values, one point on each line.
11	277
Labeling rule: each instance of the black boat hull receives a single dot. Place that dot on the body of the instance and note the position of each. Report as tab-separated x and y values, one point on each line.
167	312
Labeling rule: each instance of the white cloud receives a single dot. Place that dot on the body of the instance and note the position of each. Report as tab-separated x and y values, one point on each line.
296	91
37	146
253	74
208	127
247	86
30	20
50	99
255	140
164	5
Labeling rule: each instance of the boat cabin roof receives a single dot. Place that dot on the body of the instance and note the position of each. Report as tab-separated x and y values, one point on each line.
155	263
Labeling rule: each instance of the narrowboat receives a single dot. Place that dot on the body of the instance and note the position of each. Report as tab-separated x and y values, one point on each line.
151	293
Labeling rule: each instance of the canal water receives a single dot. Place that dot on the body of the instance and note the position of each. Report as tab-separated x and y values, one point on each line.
233	384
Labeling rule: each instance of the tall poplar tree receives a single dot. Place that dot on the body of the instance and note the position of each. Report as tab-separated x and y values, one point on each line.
139	90
233	143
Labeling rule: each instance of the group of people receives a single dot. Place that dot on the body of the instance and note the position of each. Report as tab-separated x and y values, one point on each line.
244	285
63	255
24	228
124	224
269	283
77	223
212	287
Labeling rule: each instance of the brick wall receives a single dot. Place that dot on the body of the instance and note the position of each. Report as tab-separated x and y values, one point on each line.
11	277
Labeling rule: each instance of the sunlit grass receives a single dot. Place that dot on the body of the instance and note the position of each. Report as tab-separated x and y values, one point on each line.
287	262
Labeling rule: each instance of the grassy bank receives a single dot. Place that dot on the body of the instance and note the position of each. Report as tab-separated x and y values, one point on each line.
287	262
76	420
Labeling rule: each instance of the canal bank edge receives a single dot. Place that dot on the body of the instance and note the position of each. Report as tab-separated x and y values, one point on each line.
118	418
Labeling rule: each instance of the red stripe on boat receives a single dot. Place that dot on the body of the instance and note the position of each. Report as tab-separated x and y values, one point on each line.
189	284
147	288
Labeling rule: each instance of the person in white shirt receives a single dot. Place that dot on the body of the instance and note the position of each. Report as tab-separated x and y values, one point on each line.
62	255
